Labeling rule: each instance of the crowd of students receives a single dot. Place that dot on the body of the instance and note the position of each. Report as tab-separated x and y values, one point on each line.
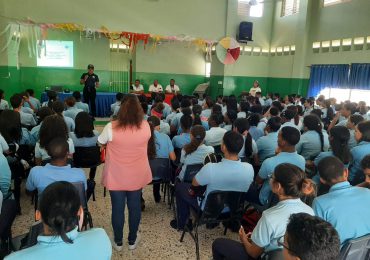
302	161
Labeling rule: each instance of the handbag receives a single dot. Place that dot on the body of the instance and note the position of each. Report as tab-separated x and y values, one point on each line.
103	153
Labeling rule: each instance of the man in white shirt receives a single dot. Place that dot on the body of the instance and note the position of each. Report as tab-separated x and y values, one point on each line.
172	88
215	134
155	87
137	88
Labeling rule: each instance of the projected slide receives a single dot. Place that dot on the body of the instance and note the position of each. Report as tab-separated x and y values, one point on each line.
55	54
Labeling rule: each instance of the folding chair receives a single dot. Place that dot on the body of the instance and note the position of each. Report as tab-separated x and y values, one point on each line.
87	157
87	215
29	239
273	255
213	212
356	249
218	152
161	172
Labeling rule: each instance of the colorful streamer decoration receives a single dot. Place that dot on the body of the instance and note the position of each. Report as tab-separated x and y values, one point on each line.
228	50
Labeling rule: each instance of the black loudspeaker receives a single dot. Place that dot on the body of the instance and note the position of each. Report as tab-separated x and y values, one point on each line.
245	32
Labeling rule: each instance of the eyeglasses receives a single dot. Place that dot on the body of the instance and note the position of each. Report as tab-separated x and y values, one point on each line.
280	243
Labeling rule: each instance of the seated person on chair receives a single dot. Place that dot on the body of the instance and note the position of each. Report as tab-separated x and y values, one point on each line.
58	108
319	241
164	149
267	144
179	141
42	114
249	150
57	170
71	111
114	108
289	183
27	119
80	105
195	151
365	163
52	127
288	137
342	201
85	135
34	101
228	175
62	215
215	134
137	88
155	87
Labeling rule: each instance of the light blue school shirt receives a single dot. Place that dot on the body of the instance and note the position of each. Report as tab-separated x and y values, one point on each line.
84	141
358	153
163	145
83	106
179	141
267	145
195	157
27	110
268	167
27	119
226	175
206	113
241	115
255	132
204	124
116	110
164	128
114	105
176	120
4	104
35	103
5	177
3	144
272	225
41	176
170	117
70	123
27	138
290	124
91	244
352	140
309	145
167	110
35	132
72	112
346	208
254	149
342	122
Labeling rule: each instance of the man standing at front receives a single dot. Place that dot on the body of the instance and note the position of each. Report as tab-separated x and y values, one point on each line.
91	82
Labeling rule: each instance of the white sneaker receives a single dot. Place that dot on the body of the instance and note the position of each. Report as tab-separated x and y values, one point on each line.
133	247
117	247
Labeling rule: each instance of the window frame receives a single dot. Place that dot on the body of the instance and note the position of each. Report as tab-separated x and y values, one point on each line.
248	8
334	3
295	7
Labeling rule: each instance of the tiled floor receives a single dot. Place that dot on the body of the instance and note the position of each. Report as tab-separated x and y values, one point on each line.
159	240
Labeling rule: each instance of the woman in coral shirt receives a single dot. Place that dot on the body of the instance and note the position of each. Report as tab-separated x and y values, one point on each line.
126	170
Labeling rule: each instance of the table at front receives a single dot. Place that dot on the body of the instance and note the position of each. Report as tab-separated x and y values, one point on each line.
103	101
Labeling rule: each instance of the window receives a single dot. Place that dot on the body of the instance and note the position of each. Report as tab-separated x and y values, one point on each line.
208	69
252	8
341	95
334	2
289	7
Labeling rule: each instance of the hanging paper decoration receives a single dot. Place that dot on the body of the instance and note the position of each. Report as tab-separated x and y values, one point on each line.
228	50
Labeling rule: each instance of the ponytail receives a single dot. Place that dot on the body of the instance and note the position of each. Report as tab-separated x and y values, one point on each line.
339	143
242	125
198	134
197	110
294	182
313	122
152	151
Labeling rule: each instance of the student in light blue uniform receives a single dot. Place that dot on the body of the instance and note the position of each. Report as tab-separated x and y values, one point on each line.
249	150
175	106
195	151
5	177
197	120
352	122
175	122
229	118
71	110
290	186
3	103
34	101
288	137
287	116
42	114
314	140
228	175
58	108
52	127
341	201
62	202
27	119
164	150
183	139
362	135
80	105
267	144
255	132
57	170
215	133
119	97
207	108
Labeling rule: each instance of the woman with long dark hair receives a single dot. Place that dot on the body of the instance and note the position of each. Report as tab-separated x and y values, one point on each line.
196	150
314	140
290	185
126	171
249	150
62	215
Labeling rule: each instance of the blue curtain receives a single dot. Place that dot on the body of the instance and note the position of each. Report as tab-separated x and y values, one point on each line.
360	76
322	76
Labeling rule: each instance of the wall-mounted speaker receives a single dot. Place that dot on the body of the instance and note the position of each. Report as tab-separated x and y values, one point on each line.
245	32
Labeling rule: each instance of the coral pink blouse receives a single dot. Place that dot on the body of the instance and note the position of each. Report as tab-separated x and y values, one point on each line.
126	162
